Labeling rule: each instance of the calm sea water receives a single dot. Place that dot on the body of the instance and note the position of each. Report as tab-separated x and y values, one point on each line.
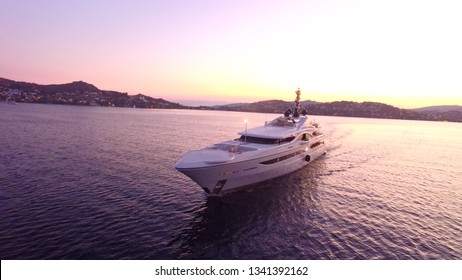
100	183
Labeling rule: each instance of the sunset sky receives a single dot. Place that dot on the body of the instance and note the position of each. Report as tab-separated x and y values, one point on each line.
403	53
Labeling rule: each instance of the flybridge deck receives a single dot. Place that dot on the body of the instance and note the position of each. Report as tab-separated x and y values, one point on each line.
279	128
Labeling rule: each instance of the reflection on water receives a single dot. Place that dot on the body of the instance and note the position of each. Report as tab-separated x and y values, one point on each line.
269	212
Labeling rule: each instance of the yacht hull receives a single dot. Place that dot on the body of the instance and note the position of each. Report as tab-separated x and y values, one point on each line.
219	179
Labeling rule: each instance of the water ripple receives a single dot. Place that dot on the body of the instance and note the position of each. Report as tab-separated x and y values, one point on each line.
99	183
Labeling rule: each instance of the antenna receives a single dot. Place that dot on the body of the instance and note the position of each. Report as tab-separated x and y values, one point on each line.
297	100
296	113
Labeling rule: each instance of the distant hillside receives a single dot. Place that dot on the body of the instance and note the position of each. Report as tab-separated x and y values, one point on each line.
445	108
346	109
77	93
268	106
338	108
23	86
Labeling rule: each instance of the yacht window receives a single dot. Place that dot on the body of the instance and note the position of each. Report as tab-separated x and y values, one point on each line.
258	140
316	144
286	140
278	159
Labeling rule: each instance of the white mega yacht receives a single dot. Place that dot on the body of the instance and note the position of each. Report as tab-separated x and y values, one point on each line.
279	147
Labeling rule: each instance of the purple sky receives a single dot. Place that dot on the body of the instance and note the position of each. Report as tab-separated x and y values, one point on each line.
404	53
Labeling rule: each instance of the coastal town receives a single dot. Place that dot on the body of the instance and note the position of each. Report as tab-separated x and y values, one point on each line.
77	93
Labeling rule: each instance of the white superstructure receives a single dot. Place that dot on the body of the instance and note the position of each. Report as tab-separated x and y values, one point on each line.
279	147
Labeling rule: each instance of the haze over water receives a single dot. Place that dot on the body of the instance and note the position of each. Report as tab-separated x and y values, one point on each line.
100	183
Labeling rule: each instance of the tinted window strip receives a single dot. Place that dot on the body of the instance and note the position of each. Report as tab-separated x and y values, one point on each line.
278	159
